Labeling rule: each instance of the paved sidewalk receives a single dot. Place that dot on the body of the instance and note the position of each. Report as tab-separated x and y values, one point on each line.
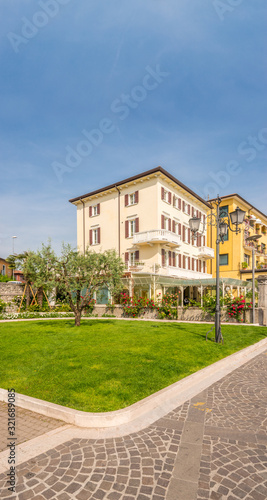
212	447
28	425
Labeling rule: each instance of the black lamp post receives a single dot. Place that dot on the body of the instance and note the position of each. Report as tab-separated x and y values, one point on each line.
222	222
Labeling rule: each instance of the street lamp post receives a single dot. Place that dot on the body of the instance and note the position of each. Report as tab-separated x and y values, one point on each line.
222	222
253	238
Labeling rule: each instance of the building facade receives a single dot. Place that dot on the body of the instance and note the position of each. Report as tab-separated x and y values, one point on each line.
5	269
145	218
236	251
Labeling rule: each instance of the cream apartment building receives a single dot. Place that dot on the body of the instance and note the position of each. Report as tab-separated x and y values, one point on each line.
145	218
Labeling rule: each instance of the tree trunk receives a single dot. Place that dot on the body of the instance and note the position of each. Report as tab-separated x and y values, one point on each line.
40	296
28	295
77	318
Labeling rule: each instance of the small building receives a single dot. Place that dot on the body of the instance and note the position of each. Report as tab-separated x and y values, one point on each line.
145	218
5	269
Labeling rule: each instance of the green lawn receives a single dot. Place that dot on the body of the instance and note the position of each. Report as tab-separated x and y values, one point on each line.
105	365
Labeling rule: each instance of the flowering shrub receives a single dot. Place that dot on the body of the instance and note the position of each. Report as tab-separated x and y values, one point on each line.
236	306
167	307
132	306
89	307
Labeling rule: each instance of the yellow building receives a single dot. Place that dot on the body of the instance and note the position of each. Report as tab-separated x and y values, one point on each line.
236	251
145	218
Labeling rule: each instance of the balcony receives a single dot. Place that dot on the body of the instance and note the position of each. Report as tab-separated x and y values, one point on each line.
157	236
136	267
206	252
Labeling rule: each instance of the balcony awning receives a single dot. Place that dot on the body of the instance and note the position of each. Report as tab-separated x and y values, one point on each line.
168	281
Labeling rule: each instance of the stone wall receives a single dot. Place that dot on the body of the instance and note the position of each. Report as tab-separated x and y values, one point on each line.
184	314
8	291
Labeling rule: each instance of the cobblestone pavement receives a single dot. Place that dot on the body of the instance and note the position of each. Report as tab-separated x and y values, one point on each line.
212	447
28	425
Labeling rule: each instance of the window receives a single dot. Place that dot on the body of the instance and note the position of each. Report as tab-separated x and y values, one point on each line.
4	270
94	210
166	195
131	227
177	202
131	199
94	236
223	259
247	259
223	211
166	223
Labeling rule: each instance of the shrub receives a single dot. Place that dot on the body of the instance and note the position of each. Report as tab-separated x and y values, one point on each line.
2	306
236	306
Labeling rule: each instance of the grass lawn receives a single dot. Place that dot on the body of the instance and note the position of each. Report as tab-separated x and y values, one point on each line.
106	365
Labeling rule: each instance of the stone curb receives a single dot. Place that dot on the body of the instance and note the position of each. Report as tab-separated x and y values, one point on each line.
148	410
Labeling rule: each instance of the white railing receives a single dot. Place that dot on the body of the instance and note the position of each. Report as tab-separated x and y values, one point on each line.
206	252
157	236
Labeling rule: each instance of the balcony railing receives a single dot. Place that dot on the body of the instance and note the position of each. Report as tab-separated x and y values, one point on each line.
206	252
157	236
135	267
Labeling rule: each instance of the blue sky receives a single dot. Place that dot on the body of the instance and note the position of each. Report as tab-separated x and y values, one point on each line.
130	86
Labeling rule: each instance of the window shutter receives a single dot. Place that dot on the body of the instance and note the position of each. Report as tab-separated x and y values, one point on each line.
162	193
193	264
183	206
179	203
163	257
136	196
189	235
137	225
192	211
98	208
204	241
180	260
169	197
198	239
173	226
162	222
91	236
188	209
126	200
127	229
188	260
170	258
197	264
204	267
126	257
98	235
204	218
137	255
183	233
170	224
180	229
183	261
173	259
90	211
